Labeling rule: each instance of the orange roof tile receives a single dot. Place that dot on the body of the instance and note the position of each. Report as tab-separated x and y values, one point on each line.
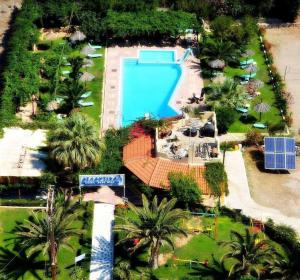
137	156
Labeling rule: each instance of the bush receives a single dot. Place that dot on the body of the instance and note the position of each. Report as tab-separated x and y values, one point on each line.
216	178
22	202
185	189
225	118
253	137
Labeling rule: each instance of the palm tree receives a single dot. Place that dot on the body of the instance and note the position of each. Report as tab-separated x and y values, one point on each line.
34	234
72	90
76	65
15	265
228	94
219	49
75	143
152	225
248	253
216	270
285	267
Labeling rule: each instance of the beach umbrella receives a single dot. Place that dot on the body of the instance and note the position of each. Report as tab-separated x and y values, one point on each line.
77	36
252	68
52	106
261	108
248	53
87	77
87	50
257	83
88	62
217	64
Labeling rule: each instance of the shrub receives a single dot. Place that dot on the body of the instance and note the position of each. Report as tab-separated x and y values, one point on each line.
253	137
225	118
279	127
216	178
185	189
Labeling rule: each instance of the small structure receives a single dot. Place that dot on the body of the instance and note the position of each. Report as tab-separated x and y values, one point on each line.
280	153
87	50
182	149
87	77
77	36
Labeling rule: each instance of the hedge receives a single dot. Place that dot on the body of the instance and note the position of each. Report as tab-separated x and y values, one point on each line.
20	77
22	202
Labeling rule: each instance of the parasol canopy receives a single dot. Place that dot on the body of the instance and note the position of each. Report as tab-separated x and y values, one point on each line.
256	83
248	53
88	62
77	36
252	68
261	108
87	77
217	64
87	50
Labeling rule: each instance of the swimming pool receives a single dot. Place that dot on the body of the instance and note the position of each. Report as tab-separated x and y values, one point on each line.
148	83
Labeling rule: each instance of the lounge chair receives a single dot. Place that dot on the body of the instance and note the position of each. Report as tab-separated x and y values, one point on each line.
85	104
248	76
66	72
95	55
247	62
260	125
242	109
95	46
86	94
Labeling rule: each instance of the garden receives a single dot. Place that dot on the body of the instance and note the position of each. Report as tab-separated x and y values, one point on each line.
20	259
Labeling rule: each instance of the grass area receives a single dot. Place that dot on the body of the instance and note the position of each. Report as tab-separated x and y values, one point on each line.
9	218
200	247
94	112
272	117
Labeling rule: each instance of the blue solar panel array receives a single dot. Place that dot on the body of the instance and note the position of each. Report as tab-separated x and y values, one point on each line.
280	153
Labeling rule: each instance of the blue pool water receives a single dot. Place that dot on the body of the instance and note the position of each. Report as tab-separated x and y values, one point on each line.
148	85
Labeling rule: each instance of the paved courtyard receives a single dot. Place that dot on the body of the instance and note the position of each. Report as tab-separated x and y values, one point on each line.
190	83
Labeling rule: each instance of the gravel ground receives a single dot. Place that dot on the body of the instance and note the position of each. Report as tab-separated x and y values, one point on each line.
279	190
286	53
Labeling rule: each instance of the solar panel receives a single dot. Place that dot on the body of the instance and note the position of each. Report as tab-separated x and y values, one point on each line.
280	153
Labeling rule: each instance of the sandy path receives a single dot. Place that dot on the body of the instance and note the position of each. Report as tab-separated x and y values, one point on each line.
286	52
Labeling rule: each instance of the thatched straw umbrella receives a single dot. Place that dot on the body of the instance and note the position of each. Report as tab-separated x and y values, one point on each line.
87	50
217	64
248	53
88	62
252	68
87	77
257	83
261	108
77	36
52	106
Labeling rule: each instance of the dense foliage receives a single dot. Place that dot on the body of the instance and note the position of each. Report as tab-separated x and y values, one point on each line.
216	178
185	189
225	118
21	72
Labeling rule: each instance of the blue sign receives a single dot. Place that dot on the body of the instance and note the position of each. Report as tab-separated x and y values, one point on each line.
111	180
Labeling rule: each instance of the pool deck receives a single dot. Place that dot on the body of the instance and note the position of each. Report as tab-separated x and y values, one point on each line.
191	82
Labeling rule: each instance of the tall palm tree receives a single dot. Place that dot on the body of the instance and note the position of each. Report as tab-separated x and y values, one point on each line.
34	234
75	143
248	253
15	265
285	267
72	90
216	269
228	94
152	225
76	65
219	49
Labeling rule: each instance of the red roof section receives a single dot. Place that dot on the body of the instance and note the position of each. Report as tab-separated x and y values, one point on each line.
154	171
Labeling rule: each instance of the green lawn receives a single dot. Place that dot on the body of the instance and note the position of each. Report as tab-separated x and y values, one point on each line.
94	112
10	217
271	117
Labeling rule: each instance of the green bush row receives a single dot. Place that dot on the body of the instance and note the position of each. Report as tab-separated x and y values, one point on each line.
22	202
20	77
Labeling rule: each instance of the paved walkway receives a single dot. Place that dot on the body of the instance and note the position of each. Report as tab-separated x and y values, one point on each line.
239	195
102	242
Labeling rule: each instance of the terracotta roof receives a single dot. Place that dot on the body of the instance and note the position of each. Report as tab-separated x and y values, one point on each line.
154	171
